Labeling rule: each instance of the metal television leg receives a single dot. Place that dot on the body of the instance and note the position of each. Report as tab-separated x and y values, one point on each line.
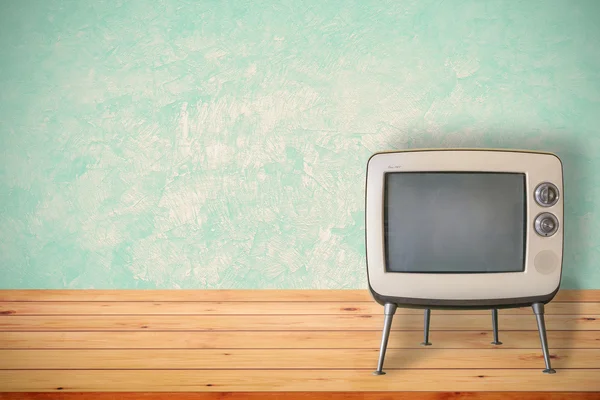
495	326
538	309
426	328
389	310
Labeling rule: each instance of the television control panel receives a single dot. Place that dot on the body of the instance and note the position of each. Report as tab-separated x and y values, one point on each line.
546	195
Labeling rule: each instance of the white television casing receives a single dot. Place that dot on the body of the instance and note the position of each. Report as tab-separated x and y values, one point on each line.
539	281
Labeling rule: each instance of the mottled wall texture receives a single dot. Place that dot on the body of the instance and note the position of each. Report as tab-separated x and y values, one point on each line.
223	144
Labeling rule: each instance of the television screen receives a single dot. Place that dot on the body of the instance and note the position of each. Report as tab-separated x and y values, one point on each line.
454	222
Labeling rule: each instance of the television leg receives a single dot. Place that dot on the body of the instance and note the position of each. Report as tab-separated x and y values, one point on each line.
538	309
389	310
426	328
495	326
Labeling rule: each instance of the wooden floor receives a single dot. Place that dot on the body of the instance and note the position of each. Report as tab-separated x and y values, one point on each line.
284	341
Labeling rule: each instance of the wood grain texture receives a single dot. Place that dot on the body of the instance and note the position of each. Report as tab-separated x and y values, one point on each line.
338	296
286	322
304	396
241	359
299	380
256	308
286	346
291	339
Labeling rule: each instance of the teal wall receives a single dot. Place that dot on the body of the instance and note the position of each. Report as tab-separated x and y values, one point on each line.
205	144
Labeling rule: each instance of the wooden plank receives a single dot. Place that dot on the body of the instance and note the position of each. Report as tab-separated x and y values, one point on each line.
578	296
256	308
187	295
340	296
287	322
426	358
304	396
577	380
291	339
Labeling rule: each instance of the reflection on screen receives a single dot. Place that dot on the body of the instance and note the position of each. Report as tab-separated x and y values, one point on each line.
450	222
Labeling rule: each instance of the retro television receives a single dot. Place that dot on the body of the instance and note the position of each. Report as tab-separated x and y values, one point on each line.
464	229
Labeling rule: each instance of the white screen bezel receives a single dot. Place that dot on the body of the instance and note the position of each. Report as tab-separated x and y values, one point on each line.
537	168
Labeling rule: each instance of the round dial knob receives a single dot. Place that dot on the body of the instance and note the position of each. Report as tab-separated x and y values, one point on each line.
546	224
546	194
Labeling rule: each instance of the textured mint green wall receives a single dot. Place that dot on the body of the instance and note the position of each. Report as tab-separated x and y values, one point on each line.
201	144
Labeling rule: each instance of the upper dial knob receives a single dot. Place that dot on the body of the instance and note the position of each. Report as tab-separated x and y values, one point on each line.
546	194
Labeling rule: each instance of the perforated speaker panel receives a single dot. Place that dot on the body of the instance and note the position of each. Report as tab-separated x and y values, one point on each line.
546	262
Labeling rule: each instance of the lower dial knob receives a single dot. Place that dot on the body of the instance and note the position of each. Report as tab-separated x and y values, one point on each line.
546	224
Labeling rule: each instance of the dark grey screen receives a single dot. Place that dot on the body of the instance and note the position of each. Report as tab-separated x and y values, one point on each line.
447	222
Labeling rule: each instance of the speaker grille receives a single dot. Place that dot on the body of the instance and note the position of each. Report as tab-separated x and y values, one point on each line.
546	262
